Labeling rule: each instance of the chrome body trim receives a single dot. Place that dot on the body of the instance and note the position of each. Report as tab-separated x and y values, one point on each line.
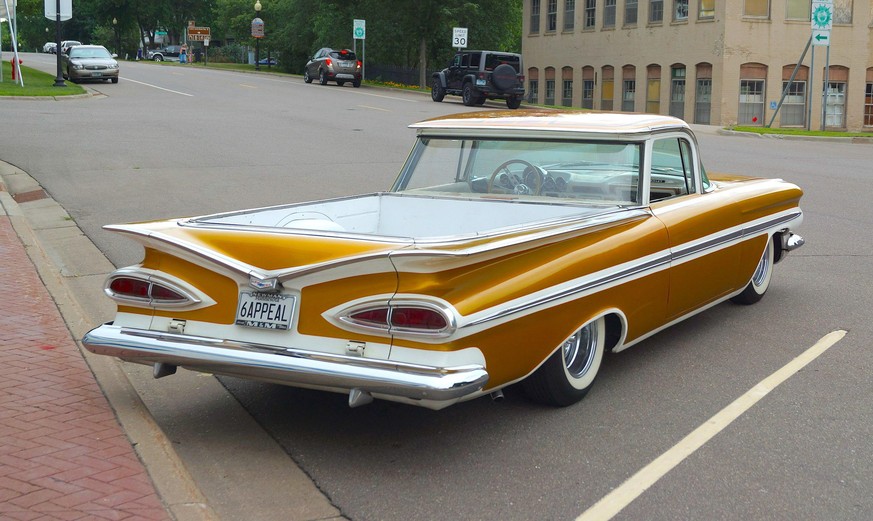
288	366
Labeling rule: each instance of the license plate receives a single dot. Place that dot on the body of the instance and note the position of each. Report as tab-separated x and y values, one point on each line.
265	310
347	64
96	74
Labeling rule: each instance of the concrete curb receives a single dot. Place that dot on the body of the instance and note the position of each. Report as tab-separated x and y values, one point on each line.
792	137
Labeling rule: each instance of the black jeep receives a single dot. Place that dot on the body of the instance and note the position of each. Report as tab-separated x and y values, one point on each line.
480	75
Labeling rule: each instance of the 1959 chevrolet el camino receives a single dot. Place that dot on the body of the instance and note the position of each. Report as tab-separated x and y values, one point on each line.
513	247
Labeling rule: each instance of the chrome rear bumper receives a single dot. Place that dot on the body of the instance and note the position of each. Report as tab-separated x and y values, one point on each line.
288	366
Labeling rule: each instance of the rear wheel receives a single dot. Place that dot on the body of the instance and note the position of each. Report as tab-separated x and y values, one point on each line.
469	94
158	58
306	77
356	83
322	78
340	83
437	92
513	103
760	279
567	375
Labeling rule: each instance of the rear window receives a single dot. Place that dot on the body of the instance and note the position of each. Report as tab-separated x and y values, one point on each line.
493	60
343	55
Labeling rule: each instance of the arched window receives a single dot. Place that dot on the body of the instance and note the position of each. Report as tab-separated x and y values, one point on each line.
628	87
703	94
607	88
753	80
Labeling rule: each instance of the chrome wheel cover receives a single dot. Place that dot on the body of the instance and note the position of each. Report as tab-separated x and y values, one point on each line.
760	276
579	350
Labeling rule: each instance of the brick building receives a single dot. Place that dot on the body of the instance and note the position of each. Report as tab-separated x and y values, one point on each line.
720	62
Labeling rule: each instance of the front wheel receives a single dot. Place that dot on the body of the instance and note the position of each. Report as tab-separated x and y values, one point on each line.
568	374
760	279
114	80
158	58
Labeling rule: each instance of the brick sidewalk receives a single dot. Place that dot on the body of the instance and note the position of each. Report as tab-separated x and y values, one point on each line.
63	455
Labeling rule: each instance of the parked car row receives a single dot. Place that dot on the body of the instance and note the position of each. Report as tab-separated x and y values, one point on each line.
52	47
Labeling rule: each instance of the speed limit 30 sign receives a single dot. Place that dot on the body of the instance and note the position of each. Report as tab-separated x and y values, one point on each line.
459	37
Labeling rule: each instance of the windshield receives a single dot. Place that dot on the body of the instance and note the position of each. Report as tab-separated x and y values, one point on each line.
559	171
89	53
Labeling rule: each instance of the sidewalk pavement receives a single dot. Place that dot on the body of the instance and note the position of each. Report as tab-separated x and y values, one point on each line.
84	436
63	454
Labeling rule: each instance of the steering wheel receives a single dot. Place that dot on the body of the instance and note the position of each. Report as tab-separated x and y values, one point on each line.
519	186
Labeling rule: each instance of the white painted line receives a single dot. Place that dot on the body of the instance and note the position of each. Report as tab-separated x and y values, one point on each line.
159	88
615	501
373	108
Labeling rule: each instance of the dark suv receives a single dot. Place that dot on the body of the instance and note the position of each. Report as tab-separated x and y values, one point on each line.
480	75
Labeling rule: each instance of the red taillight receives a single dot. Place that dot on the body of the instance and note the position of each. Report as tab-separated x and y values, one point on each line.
417	318
130	287
141	289
402	318
161	293
327	62
372	317
359	64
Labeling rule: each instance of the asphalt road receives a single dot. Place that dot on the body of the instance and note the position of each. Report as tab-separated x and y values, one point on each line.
168	141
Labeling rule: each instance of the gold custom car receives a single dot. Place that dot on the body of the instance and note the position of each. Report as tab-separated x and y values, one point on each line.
513	247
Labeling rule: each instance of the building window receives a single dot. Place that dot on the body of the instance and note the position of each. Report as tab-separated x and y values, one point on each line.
653	89
677	91
794	104
656	11
567	93
797	10
706	10
550	86
533	94
630	12
756	8
868	105
703	94
835	117
590	14
569	14
607	93
680	10
552	16
703	101
609	13
534	16
843	12
751	109
588	95
628	91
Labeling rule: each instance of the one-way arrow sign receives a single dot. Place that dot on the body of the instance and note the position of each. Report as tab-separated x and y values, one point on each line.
821	38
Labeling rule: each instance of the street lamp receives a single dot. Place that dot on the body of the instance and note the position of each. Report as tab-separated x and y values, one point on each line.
257	20
117	38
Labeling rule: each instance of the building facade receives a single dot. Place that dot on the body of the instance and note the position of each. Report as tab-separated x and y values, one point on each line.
719	62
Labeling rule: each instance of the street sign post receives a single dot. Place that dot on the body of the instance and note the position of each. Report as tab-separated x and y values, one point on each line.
359	29
822	21
359	32
459	37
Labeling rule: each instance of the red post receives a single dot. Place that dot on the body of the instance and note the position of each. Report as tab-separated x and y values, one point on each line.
12	63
